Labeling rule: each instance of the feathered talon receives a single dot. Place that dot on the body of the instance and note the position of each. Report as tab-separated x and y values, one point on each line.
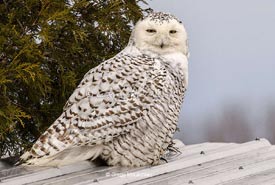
173	148
165	160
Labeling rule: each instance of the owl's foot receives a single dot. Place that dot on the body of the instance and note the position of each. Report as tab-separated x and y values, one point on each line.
162	160
172	148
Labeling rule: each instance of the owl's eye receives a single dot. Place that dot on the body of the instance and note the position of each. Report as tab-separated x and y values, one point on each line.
172	31
151	30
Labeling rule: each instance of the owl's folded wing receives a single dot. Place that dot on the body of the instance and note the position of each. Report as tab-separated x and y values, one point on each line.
109	100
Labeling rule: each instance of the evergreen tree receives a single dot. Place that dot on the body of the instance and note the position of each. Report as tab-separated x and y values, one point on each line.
46	47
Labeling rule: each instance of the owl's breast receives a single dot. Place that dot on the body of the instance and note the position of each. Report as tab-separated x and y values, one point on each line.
179	64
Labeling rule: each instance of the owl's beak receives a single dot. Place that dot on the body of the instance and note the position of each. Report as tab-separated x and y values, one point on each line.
163	41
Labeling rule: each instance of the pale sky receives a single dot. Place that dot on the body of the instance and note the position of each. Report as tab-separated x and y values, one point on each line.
232	45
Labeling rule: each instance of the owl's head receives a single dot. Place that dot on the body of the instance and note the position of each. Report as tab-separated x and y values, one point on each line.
160	33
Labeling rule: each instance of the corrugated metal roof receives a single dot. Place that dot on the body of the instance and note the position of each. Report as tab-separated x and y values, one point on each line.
201	164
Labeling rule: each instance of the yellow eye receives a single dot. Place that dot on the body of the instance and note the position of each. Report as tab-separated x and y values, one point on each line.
151	30
172	31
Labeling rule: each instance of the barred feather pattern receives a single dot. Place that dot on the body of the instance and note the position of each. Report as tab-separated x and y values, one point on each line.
150	136
124	111
128	104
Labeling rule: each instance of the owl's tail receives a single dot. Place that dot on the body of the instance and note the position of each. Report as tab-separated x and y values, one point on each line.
65	157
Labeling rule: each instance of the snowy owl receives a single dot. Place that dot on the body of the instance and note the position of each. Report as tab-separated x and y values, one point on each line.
124	111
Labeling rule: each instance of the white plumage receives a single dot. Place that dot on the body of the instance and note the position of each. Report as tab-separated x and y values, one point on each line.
125	110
